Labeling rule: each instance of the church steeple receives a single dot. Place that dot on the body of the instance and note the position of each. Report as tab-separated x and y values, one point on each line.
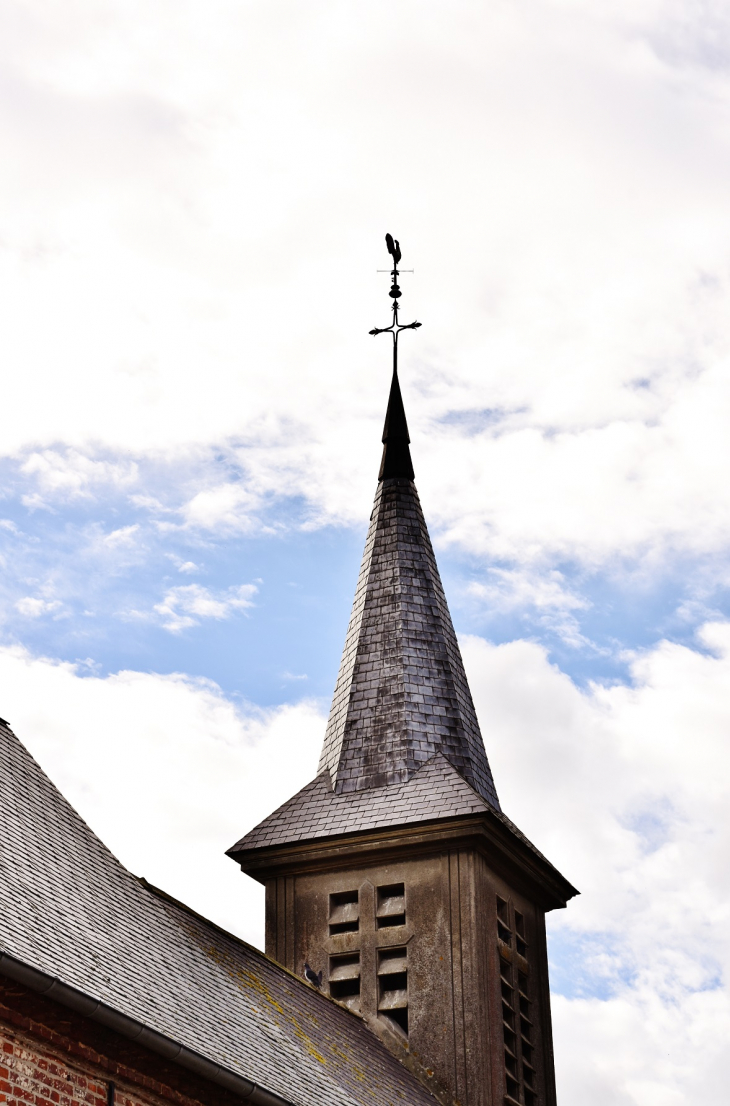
402	694
394	875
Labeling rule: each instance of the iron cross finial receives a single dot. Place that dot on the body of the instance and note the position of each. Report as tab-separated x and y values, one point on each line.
395	294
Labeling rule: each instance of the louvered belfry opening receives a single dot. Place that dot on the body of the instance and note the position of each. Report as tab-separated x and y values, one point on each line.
517	1006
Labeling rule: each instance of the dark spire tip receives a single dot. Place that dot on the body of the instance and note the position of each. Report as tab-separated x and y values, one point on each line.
396	461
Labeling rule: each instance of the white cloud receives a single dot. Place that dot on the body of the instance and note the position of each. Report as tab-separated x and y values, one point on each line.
72	473
545	596
184	606
187	568
227	506
180	775
124	535
516	588
34	607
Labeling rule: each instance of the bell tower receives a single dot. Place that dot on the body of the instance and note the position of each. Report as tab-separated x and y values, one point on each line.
394	872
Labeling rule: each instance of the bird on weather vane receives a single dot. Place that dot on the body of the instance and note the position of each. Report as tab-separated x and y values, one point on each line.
393	248
395	294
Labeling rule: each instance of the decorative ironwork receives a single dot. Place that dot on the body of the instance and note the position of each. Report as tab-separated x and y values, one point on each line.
395	293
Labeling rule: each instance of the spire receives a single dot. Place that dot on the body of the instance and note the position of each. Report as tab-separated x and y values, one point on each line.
402	695
396	460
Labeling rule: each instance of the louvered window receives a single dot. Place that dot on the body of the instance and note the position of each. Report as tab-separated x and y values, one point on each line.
520	1077
393	987
391	909
345	979
344	912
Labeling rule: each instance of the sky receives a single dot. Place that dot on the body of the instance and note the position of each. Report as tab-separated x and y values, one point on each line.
193	203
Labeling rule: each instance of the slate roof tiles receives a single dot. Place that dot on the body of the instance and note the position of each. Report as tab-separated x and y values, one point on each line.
316	812
401	694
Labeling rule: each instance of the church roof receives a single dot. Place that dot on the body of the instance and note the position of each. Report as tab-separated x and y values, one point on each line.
401	694
70	910
436	791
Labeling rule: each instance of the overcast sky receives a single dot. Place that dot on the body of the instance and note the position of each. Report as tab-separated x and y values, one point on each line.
193	202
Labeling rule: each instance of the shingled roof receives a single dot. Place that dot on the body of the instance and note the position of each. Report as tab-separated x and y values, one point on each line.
70	910
437	792
402	693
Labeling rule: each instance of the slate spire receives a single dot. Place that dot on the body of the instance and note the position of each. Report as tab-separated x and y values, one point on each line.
402	694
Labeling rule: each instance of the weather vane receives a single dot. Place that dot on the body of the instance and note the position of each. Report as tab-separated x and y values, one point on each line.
395	294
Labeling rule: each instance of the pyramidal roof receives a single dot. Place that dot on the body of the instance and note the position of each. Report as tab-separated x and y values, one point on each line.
402	694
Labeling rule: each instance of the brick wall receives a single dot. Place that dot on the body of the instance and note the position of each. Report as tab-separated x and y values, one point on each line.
36	1070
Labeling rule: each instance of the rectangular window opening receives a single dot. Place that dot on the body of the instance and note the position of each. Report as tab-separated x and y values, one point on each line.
513	1088
392	961
530	1097
391	906
510	1038
503	910
344	912
392	920
346	991
504	934
344	980
398	1020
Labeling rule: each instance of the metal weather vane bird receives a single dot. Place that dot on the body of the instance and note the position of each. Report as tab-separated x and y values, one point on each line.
393	248
395	293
